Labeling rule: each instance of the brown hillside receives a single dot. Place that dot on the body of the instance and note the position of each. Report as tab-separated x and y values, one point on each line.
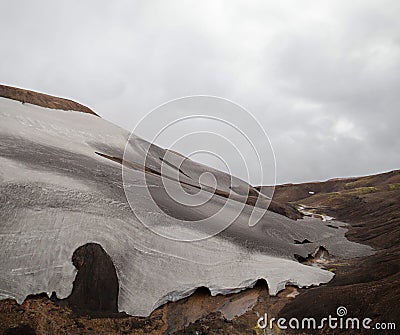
367	287
42	100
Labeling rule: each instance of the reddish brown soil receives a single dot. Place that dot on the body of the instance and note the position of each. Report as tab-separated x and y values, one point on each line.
41	99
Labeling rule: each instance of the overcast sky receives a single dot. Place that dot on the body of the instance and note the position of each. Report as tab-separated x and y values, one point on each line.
322	77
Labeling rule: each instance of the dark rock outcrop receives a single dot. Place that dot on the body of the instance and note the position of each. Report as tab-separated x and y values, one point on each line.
96	284
21	330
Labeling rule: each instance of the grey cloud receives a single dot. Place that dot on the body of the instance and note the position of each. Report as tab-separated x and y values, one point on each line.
322	78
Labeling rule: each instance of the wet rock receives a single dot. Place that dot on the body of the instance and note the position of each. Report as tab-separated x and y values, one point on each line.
96	284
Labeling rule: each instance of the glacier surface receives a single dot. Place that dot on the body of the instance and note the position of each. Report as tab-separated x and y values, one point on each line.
61	187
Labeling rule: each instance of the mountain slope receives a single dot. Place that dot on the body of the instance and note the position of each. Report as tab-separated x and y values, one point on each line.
64	188
368	287
62	192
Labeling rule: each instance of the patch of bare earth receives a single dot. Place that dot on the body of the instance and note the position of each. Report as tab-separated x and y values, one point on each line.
41	99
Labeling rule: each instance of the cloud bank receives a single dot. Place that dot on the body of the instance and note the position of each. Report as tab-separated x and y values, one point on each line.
321	77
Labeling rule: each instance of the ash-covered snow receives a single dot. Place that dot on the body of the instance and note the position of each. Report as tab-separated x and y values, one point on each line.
57	194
